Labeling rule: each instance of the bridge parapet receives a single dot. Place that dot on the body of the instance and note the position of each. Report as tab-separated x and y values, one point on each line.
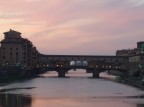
90	63
112	59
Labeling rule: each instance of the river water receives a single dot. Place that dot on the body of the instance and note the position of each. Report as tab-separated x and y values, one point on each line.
78	89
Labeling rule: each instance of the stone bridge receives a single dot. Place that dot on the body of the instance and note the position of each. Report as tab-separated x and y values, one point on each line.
92	64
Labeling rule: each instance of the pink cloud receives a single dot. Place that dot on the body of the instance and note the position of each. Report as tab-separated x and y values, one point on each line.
76	26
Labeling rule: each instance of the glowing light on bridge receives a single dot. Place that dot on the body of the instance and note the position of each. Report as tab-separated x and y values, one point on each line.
119	67
109	66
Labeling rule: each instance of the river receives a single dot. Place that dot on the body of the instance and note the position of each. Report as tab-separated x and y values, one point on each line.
78	89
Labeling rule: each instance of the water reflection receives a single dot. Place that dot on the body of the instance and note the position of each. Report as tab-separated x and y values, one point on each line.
77	90
140	105
15	100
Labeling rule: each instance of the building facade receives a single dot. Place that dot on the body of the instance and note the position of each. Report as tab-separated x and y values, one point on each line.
132	52
127	52
16	50
140	44
136	58
0	54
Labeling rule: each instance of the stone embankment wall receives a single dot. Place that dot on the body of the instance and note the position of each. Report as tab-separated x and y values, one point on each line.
133	81
17	72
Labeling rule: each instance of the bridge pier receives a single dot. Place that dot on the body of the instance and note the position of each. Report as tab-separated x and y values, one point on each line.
95	74
61	73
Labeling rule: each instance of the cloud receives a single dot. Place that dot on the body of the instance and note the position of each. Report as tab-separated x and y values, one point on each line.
75	23
75	26
10	14
136	2
34	0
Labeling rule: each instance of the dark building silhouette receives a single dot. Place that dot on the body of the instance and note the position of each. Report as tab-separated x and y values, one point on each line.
140	44
16	50
127	52
132	52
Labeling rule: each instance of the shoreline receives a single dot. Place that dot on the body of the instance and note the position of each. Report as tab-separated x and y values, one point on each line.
136	82
8	76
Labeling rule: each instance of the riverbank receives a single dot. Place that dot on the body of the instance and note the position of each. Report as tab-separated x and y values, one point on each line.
10	74
137	82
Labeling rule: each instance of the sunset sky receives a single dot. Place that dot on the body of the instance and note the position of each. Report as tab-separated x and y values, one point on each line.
81	27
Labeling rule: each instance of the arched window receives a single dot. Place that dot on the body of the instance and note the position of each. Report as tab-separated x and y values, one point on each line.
72	63
79	63
85	63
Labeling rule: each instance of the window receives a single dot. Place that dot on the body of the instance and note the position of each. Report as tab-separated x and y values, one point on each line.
24	48
16	48
3	48
141	58
16	54
10	48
